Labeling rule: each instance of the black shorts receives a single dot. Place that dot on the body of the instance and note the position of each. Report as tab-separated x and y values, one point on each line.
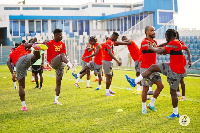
37	69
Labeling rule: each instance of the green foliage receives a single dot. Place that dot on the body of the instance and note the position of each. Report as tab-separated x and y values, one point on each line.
86	110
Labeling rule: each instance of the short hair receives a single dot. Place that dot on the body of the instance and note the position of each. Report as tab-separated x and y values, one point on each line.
147	28
123	37
177	35
23	41
115	33
30	40
107	38
57	31
16	45
170	33
92	38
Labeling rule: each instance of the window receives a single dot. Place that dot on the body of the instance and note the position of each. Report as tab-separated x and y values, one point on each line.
66	26
11	8
122	25
44	26
129	22
121	6
22	28
16	28
53	25
31	8
133	20
60	24
141	17
50	8
137	5
99	5
118	24
87	27
11	27
74	25
125	23
80	27
84	7
110	25
70	8
165	17
114	25
31	26
137	18
38	26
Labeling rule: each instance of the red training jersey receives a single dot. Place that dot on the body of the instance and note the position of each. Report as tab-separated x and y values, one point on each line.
148	56
54	49
134	51
108	45
98	57
176	56
184	47
87	53
103	47
17	53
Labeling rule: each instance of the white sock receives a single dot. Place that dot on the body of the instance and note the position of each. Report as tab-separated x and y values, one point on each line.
138	79
152	101
33	77
78	80
88	82
38	78
97	77
15	83
183	96
78	75
110	88
141	88
143	105
150	88
107	91
92	72
138	87
99	86
102	77
56	98
175	110
23	104
148	96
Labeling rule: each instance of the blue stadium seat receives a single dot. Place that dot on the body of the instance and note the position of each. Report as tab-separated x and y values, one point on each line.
187	37
197	51
195	46
192	51
191	37
194	58
183	38
163	58
198	65
194	66
191	46
188	41
195	37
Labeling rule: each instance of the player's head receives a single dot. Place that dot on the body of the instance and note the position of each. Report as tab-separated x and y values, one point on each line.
177	35
107	38
57	34
16	45
124	38
23	41
114	36
170	35
34	39
92	40
150	31
31	40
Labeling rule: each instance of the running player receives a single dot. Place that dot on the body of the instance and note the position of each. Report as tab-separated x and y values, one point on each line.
56	56
135	54
108	55
95	65
23	61
13	66
88	51
174	70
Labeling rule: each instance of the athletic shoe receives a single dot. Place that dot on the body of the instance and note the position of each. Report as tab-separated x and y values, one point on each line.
178	93
88	87
96	80
108	94
148	98
151	107
144	111
182	99
24	108
75	75
39	47
36	87
57	103
131	81
97	88
112	92
137	92
173	116
40	87
77	85
150	93
33	80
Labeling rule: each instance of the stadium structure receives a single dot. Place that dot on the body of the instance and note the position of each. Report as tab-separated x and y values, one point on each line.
78	22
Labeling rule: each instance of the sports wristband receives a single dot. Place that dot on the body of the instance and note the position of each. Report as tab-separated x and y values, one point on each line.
69	64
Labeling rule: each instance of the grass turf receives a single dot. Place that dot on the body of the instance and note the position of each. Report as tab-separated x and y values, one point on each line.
86	110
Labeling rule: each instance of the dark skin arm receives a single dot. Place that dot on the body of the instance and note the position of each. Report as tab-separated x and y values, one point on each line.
158	50
96	52
127	42
10	68
189	57
42	61
113	57
164	44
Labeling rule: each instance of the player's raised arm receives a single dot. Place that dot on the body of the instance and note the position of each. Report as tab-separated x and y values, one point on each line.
126	42
159	50
96	52
9	64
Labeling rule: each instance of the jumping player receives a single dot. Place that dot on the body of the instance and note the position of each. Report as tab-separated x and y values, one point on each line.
174	70
56	56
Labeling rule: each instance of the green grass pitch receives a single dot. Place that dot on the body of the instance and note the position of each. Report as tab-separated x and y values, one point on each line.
86	110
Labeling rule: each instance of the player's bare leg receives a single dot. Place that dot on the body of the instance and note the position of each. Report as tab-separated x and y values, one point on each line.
58	87
22	93
183	89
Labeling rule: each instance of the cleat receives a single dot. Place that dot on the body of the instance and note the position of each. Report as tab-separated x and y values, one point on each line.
39	47
75	75
137	92
97	88
108	94
24	108
150	93
57	103
173	116
131	81
88	87
96	80
182	99
36	87
77	85
148	98
112	92
178	93
40	87
151	107
144	111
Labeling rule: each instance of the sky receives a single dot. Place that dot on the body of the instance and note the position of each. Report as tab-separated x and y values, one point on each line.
187	17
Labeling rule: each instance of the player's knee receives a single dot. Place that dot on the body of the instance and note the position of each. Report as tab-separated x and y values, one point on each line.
22	94
152	68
